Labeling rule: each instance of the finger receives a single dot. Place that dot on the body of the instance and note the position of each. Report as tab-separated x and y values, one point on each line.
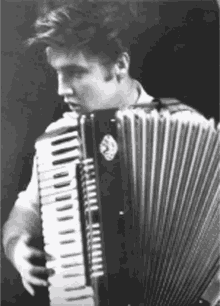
38	269
35	256
49	257
37	253
36	281
42	272
28	287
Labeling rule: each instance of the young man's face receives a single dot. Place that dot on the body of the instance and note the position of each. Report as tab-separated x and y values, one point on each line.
82	81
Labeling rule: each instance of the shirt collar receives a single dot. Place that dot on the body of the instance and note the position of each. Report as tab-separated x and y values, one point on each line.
143	96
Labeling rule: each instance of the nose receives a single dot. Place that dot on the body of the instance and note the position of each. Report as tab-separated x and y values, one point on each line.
63	87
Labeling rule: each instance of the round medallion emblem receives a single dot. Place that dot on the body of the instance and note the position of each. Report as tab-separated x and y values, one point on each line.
108	147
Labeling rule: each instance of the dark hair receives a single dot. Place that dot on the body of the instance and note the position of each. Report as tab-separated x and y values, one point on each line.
98	28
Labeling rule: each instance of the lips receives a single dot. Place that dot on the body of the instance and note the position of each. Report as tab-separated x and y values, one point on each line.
72	104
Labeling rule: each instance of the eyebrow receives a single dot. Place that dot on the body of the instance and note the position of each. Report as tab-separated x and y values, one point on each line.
71	68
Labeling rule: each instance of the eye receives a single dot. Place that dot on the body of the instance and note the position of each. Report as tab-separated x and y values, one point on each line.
77	75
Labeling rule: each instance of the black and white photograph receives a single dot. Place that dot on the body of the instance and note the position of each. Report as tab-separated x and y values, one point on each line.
110	153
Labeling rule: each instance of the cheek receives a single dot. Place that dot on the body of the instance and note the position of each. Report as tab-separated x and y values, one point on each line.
90	90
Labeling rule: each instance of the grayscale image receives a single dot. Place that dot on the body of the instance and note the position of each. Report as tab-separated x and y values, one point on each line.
110	153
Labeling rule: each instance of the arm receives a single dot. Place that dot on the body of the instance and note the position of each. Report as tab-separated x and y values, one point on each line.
24	224
24	217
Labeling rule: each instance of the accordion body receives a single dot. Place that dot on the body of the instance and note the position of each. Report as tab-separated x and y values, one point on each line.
129	206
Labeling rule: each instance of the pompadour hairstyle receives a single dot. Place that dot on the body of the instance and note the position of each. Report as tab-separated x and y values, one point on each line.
101	28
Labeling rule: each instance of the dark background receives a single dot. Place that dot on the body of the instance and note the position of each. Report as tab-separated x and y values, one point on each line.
182	60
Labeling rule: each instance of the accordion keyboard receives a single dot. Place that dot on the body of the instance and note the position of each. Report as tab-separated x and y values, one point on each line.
57	159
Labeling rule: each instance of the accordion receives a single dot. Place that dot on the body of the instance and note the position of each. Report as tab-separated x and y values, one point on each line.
129	206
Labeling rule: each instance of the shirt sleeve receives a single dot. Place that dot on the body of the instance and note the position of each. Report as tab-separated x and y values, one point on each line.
24	217
29	198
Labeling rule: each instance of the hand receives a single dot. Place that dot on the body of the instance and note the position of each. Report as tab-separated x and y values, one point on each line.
30	274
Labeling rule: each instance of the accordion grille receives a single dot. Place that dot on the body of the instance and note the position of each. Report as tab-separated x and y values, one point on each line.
170	171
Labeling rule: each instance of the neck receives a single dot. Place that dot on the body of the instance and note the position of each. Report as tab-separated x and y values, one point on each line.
130	93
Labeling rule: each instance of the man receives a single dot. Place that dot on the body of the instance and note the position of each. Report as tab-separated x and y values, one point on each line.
92	65
85	45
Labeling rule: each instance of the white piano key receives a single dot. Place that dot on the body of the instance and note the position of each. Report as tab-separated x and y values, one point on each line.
54	213
59	301
66	135
57	236
57	137
55	221
70	169
56	207
50	159
67	144
67	205
73	194
77	256
64	264
48	145
76	237
56	182
49	234
86	302
48	166
58	231
75	269
60	239
52	190
55	224
62	216
77	294
70	212
58	261
70	238
64	249
66	279
61	206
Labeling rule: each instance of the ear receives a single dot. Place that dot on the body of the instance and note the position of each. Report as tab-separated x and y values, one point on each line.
122	65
